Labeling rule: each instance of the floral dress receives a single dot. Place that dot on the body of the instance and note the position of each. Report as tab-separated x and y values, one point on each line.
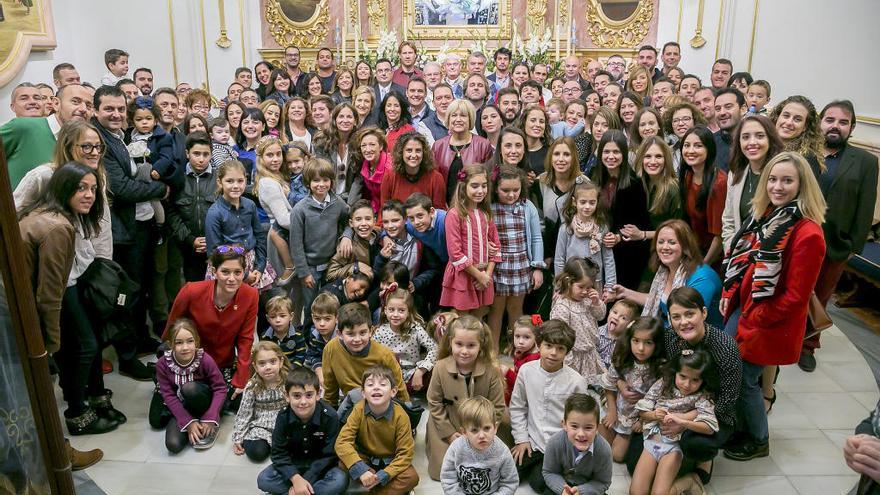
582	317
639	379
678	404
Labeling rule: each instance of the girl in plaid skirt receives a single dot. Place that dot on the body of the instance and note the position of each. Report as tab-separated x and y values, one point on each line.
521	248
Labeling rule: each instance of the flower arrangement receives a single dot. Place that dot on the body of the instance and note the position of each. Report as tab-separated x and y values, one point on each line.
387	47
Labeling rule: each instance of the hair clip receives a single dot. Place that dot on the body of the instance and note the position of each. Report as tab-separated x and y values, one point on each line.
537	321
387	291
440	324
355	269
144	102
461	175
581	179
687	352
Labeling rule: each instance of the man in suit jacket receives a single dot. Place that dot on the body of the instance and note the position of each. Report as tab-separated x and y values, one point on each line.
849	185
384	83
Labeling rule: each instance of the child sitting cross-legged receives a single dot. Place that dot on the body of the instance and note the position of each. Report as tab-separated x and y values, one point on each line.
303	442
478	461
376	444
576	459
538	400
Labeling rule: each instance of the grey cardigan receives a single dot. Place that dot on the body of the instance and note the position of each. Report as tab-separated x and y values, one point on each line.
591	475
314	231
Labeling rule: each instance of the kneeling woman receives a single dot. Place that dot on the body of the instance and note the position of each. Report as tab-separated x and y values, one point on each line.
770	272
225	312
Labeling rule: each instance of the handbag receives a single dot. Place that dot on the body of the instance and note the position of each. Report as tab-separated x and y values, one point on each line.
817	316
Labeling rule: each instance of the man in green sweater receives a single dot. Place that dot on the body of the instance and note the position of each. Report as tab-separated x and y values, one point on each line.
30	141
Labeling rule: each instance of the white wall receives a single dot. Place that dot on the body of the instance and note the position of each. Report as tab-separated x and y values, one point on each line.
819	48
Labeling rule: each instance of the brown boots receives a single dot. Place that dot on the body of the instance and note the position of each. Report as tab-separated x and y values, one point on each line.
81	460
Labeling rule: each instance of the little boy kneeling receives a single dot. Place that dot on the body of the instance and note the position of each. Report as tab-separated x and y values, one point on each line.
303	442
381	430
576	460
478	461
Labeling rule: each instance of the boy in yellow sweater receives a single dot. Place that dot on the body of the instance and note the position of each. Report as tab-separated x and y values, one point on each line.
346	357
376	444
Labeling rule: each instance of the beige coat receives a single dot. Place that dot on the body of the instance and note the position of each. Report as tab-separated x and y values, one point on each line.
446	392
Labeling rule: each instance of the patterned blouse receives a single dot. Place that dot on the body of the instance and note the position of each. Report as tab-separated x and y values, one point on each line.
256	416
639	379
408	352
678	403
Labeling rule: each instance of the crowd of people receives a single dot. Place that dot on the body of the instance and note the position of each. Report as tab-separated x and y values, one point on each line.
562	271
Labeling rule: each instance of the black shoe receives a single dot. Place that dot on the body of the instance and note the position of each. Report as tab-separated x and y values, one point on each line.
807	362
104	408
147	346
89	423
136	370
748	450
705	477
771	400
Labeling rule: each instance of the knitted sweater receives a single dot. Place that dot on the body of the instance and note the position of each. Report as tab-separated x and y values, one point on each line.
172	375
468	471
591	474
343	370
380	439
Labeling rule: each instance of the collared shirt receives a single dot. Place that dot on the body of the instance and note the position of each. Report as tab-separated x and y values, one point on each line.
321	204
189	170
305	447
226	224
832	162
388	415
293	344
578	455
54	125
383	91
417	117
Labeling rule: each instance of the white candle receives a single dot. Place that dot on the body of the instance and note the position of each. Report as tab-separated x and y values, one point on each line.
557	41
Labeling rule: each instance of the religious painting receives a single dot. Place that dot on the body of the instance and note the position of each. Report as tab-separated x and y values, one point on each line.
25	25
298	10
457	19
302	23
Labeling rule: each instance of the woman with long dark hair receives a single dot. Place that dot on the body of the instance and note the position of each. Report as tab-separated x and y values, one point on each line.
333	144
704	189
262	72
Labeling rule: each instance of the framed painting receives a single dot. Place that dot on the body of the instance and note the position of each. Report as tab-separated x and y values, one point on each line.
297	22
457	19
25	25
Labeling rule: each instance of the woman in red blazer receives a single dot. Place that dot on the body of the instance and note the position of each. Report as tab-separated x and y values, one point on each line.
770	272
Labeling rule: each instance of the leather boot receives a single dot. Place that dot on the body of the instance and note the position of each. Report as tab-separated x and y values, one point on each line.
81	460
104	408
89	423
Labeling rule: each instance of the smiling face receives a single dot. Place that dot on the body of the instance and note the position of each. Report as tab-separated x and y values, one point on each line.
792	121
574	114
415	94
273	158
647	59
612	157
519	75
84	197
251	128
561	160
315	87
477	188
413	155
581	429
688	323
296	112
783	184
232	184
694	151
272	113
648	125
363	103
727	111
302	401
653	161
640	83
392	110
393	223
552	356
363	72
671	56
465	348
628	110
706	101
459	122
509	105
688	88
111	112
585	203
598	127
370	148
535	124
184	346
92	142
233	116
420	218
361	222
396	311
263	74
356	338
668	248
682	120
754	142
229	276
720	75
611	95
282	83
378	391
27	102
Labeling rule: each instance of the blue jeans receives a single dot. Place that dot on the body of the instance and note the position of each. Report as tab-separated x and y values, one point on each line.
334	482
750	408
733	322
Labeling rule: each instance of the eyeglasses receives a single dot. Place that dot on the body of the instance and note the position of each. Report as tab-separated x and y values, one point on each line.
89	147
571	91
616	64
226	248
682	120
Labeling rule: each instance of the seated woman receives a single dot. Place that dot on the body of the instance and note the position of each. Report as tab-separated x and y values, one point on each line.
225	312
770	273
413	171
690	330
676	259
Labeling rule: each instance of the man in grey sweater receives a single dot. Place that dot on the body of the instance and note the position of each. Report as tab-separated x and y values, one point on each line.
577	461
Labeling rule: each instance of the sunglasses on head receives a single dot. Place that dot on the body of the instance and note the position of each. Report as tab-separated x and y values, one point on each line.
226	249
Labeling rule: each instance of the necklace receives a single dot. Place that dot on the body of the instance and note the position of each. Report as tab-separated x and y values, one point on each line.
458	148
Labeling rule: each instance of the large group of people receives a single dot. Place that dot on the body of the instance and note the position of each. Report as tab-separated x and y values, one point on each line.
563	271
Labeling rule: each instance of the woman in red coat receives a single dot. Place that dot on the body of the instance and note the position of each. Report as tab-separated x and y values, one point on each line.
225	312
770	272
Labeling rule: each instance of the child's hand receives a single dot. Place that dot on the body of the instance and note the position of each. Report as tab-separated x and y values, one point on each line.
520	451
569	490
451	438
369	479
237	449
344	247
411	288
195	433
309	281
416	380
493	249
593	294
236	393
300	486
537	278
253	277
660	413
154	175
610	240
637	427
387	250
200	245
482	280
610	419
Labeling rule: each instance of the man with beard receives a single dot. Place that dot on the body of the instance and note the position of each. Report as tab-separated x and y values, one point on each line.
291	59
647	58
143	79
849	184
730	105
616	66
475	90
30	141
508	104
500	79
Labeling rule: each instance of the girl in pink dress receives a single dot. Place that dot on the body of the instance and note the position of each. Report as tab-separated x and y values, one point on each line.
467	282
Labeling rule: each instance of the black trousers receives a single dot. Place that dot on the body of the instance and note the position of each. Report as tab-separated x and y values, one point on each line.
530	470
194	264
79	358
696	447
137	261
256	450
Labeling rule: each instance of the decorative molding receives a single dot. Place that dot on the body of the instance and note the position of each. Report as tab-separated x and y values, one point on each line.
754	32
173	44
718	32
678	30
42	39
698	41
376	16
868	120
207	83
628	33
536	14
500	31
241	32
308	34
223	41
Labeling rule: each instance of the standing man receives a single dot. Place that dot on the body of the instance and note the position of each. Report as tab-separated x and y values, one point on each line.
64	74
500	79
48	95
704	98
143	79
849	184
291	59
721	71
616	66
384	81
508	104
671	56
130	212
26	101
476	90
407	70
730	105
30	142
647	58
476	62
601	79
452	64
325	71
442	98
539	75
416	91
571	68
663	88
432	79
245	77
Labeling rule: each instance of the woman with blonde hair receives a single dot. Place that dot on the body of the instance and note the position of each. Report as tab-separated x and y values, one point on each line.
461	147
770	272
364	100
639	82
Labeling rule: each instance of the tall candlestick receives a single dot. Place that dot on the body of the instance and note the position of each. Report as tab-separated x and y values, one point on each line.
557	41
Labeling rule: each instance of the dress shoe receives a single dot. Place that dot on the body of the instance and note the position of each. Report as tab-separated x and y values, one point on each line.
807	362
79	459
748	450
89	423
136	370
104	408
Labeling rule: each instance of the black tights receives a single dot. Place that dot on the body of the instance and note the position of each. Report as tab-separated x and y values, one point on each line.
256	450
197	398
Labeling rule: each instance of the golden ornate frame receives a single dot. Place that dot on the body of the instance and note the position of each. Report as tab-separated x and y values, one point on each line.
500	31
628	33
28	41
308	34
